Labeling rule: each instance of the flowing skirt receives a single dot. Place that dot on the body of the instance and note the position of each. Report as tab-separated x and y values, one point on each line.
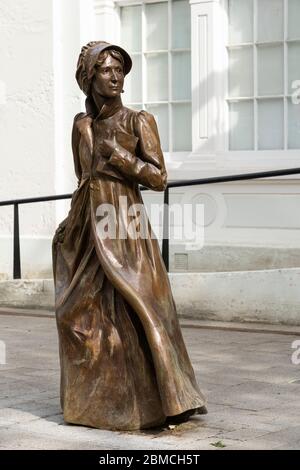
123	360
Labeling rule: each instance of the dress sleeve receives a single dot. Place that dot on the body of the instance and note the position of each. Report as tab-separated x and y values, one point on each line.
147	166
75	146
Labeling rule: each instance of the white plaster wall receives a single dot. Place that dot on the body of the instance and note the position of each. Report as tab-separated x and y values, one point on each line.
26	118
39	45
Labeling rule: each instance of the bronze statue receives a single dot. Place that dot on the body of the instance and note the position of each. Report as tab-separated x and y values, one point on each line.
124	364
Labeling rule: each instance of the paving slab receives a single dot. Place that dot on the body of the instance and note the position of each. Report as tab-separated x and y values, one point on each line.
245	371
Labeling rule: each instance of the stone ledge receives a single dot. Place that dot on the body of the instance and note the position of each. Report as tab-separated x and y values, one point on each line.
27	293
271	296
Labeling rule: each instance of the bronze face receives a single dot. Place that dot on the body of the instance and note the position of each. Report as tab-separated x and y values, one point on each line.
109	78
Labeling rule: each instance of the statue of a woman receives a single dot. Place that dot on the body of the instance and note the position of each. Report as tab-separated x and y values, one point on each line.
123	360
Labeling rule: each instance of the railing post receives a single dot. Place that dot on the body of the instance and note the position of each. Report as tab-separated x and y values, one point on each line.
17	262
165	241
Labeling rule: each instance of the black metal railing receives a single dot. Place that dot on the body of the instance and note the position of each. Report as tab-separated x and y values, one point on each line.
173	184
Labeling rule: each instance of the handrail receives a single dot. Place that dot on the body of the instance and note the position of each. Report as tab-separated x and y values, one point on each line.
35	199
172	184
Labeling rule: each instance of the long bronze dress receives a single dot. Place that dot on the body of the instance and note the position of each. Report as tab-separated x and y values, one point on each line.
124	364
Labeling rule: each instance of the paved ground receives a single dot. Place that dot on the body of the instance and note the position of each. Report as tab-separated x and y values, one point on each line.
249	379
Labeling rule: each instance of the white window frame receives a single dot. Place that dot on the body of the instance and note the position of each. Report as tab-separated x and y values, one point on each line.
210	123
285	96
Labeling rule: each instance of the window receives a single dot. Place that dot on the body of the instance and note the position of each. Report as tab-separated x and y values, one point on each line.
158	38
263	62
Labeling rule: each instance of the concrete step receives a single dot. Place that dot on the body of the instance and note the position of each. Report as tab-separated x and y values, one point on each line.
268	296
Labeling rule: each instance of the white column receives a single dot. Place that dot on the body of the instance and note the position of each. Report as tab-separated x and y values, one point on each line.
66	46
207	75
106	21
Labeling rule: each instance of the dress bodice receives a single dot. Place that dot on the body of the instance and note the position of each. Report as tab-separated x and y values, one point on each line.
93	164
136	157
